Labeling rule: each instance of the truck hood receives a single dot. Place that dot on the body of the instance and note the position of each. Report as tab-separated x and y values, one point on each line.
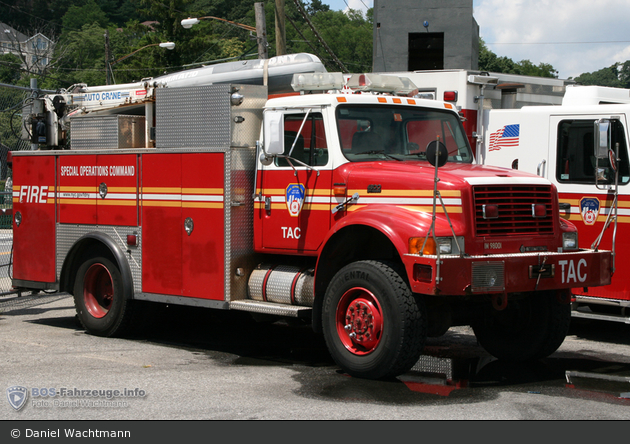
418	175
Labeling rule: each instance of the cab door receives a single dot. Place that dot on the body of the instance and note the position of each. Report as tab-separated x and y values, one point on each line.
293	210
572	169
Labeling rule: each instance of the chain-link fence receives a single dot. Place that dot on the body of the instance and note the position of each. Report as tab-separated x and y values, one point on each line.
11	102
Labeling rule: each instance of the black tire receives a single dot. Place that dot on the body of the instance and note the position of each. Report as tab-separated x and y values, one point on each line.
389	323
530	328
102	306
558	326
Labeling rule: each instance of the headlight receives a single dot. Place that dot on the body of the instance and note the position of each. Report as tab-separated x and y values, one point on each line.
570	241
444	243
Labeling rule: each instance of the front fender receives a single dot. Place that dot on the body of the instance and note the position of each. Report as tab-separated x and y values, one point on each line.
399	224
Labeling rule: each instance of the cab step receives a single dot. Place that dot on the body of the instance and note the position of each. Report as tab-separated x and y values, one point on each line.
271	308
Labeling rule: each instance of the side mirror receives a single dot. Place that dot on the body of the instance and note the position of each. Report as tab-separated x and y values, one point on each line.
273	133
602	138
437	153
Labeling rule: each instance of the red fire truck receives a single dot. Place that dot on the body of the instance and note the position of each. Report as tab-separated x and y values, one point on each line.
363	213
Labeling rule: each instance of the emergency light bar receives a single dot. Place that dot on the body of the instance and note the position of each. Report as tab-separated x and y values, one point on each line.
322	81
381	83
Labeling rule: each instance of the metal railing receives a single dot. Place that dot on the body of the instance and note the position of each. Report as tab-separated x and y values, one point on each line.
12	99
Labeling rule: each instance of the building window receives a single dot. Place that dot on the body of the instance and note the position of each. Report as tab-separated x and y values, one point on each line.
426	51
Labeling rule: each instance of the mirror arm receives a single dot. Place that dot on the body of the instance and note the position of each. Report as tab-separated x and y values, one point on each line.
289	159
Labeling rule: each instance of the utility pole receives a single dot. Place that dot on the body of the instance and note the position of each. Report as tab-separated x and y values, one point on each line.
261	31
107	59
281	35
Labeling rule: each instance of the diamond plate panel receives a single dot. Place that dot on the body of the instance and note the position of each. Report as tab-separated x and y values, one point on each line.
432	364
239	221
203	116
280	283
68	235
107	132
193	117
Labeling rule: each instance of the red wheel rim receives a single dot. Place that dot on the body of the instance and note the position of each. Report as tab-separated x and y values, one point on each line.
98	290
359	321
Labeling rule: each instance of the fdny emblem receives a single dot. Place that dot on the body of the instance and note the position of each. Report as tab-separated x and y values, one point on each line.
295	199
589	207
17	396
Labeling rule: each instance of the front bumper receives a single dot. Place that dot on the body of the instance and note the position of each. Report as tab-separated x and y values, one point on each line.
507	273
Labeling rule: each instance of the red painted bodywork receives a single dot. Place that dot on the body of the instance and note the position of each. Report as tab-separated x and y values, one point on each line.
402	209
619	287
34	240
176	187
155	192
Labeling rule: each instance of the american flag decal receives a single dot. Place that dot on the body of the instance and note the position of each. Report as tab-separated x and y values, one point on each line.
508	136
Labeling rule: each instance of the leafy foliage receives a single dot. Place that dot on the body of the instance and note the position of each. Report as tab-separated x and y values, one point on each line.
617	75
138	25
489	61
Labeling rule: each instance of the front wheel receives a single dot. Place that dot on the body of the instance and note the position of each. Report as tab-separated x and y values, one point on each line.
373	325
100	300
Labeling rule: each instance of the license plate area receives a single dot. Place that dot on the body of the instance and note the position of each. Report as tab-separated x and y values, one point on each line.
544	271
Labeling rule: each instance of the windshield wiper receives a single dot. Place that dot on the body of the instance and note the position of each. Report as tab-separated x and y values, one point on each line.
383	153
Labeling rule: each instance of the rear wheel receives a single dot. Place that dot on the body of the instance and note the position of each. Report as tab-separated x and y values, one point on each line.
100	300
530	328
373	325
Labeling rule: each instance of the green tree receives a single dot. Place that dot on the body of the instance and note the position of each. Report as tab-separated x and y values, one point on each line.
316	6
616	76
84	59
10	68
489	61
78	16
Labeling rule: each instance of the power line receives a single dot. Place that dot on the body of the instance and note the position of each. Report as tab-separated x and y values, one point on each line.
558	43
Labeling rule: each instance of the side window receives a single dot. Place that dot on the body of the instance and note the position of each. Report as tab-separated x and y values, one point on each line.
575	161
308	145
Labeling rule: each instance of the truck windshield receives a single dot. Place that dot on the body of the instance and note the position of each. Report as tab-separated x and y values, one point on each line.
368	132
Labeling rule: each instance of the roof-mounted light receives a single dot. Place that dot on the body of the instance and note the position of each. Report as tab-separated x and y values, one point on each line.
381	83
320	81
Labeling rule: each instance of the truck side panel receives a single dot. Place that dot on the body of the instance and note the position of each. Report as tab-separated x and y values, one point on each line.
117	203
203	255
77	189
34	201
183	224
161	224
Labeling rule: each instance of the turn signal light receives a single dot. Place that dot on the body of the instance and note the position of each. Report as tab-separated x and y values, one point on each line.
416	243
339	189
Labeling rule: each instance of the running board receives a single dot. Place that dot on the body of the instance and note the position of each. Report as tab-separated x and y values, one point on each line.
271	308
600	316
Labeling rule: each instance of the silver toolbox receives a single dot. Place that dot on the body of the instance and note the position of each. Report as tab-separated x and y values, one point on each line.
107	132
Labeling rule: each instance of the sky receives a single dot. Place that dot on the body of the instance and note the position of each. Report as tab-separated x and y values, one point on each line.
574	36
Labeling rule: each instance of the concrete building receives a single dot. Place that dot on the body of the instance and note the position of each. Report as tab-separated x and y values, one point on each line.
414	35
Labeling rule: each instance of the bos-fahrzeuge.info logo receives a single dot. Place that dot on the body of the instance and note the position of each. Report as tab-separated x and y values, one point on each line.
17	396
67	397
